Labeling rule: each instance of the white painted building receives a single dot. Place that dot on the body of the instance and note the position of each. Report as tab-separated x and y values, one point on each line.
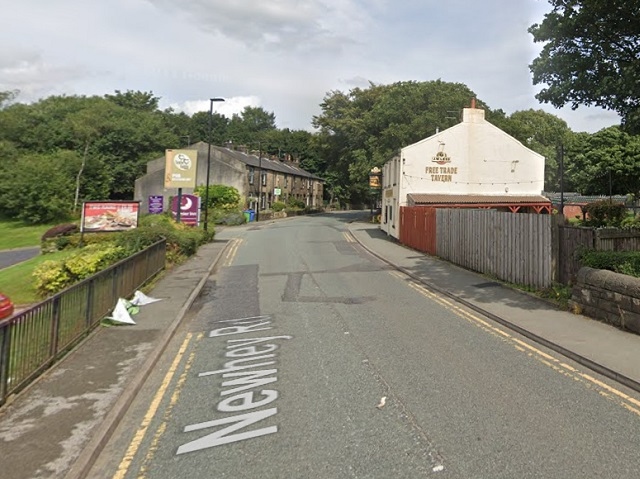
472	164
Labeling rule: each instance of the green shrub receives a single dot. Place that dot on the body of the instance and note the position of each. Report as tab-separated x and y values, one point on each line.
228	217
605	213
220	196
624	262
100	250
293	203
278	206
631	221
53	276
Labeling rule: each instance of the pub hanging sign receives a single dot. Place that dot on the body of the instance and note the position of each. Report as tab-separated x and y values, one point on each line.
375	179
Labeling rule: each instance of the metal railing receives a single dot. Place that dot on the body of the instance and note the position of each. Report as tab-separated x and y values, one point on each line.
34	339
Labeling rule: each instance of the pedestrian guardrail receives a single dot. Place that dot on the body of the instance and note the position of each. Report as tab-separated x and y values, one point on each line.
34	339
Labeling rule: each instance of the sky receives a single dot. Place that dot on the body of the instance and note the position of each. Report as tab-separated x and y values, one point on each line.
284	56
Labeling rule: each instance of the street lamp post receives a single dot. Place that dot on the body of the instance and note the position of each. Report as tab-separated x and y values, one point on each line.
259	182
206	191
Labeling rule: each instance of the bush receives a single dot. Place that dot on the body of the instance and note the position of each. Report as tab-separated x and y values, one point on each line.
228	217
53	276
624	262
184	240
605	213
294	204
100	250
632	221
64	229
220	196
278	206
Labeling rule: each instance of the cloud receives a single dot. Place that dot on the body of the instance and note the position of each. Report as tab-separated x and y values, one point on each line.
33	77
286	25
281	55
228	108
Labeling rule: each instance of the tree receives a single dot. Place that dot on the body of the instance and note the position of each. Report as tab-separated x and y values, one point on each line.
366	127
38	188
135	100
199	128
590	56
607	162
248	127
6	97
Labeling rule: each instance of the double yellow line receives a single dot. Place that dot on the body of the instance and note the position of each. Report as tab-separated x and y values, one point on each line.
630	403
143	429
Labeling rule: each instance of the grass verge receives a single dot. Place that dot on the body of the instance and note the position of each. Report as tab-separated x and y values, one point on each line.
17	281
15	234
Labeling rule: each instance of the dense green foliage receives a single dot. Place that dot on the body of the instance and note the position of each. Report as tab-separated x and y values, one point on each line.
54	276
624	262
605	213
606	162
220	196
63	150
96	251
365	128
590	56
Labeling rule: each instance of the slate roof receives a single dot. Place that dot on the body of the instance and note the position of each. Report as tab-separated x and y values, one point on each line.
285	167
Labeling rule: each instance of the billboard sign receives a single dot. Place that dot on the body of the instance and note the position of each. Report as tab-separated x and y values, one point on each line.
101	216
180	168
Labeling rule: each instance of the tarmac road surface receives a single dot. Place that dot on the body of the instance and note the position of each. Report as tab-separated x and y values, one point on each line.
14	256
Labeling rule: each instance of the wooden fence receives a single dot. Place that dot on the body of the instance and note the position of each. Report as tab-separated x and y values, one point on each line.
512	247
528	249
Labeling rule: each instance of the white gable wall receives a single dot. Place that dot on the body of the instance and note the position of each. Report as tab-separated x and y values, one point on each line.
473	157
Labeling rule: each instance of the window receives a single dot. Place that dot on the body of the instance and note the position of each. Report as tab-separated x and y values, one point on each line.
252	173
264	178
286	180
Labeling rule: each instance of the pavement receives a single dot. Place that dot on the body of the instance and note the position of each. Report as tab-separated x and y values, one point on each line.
57	426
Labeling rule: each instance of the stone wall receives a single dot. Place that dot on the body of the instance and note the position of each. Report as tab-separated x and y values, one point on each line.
610	297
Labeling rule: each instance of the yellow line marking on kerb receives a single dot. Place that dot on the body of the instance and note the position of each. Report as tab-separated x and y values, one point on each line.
155	442
233	250
546	359
151	412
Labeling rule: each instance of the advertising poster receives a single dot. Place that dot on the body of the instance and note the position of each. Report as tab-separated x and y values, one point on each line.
99	216
189	209
180	168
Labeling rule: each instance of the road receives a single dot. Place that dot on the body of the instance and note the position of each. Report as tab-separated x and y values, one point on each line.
307	357
14	256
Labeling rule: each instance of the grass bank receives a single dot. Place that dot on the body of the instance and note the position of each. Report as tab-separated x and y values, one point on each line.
15	234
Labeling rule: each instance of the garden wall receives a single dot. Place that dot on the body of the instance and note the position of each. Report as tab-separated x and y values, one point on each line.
610	297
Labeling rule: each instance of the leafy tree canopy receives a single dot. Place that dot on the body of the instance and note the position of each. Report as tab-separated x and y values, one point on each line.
135	100
590	56
364	128
607	162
